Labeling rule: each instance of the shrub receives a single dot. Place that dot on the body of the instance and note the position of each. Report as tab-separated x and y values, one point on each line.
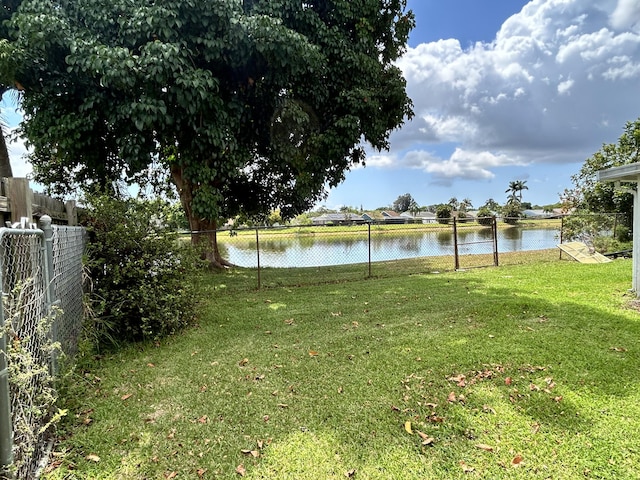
485	217
443	213
464	218
141	274
623	233
511	213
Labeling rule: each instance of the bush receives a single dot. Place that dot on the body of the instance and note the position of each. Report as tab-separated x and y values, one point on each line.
623	233
485	217
464	218
511	213
443	213
141	274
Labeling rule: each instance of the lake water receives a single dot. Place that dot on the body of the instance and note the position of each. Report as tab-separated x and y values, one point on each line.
315	251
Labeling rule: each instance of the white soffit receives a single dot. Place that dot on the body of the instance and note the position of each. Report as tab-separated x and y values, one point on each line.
624	173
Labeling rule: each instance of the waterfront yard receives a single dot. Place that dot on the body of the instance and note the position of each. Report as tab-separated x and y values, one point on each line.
523	371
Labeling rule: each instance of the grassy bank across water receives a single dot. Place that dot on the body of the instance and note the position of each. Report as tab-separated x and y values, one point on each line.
524	371
356	229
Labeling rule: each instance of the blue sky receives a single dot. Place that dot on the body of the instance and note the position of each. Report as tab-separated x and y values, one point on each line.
505	90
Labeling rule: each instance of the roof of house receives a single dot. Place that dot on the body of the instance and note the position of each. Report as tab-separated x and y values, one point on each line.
337	217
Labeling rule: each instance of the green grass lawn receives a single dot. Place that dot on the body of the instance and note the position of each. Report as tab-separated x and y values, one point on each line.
523	371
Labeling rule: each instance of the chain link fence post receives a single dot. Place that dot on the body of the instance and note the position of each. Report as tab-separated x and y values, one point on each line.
561	233
45	226
258	257
494	228
369	246
455	245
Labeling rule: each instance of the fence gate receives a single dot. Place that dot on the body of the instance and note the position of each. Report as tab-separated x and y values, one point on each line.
466	234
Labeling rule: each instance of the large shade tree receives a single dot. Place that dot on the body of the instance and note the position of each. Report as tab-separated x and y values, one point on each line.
249	105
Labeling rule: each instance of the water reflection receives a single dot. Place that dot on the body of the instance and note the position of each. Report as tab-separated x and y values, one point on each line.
512	233
311	251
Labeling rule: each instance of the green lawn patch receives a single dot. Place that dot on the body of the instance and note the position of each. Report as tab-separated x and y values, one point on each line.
523	371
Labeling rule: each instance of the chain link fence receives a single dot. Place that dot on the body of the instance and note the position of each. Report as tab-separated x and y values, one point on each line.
282	256
40	274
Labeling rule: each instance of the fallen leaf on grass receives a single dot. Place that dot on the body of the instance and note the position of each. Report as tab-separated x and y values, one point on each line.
459	379
93	458
253	453
517	460
426	439
283	405
240	470
313	353
486	448
243	362
203	419
508	381
466	468
127	396
452	397
618	349
150	365
201	472
435	418
289	321
407	427
558	399
171	475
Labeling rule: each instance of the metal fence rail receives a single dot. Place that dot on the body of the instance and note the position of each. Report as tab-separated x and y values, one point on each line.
39	269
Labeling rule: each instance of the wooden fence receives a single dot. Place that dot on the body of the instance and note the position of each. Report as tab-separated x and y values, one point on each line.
18	202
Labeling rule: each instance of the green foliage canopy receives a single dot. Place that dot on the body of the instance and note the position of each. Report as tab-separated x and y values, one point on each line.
403	203
599	197
252	105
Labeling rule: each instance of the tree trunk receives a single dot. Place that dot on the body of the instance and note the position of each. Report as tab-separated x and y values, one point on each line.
5	163
203	231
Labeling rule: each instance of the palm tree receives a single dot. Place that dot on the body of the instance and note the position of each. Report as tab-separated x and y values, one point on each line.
516	187
414	208
466	204
491	204
453	203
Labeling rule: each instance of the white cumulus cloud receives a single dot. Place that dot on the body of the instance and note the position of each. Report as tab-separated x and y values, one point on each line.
560	78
